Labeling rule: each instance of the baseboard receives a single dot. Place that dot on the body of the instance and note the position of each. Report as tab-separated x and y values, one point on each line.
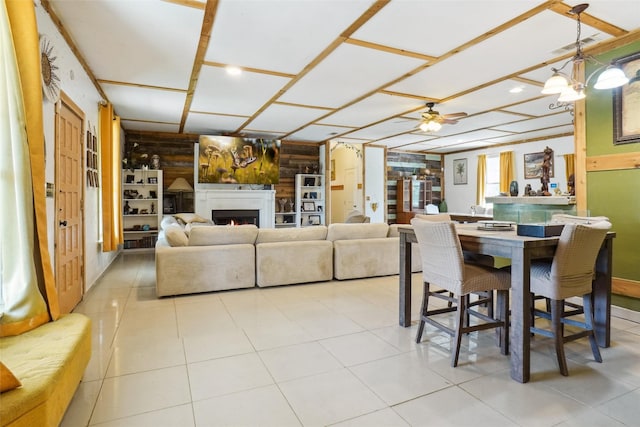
625	313
625	287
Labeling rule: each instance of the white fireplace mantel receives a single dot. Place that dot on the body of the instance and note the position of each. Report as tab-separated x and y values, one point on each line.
262	200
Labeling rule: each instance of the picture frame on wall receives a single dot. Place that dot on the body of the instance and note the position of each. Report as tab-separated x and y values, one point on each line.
626	102
460	171
308	206
533	165
314	219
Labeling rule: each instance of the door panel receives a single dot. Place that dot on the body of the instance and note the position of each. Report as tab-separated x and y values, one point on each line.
69	240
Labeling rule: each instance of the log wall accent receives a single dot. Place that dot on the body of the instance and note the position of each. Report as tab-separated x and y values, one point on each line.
176	153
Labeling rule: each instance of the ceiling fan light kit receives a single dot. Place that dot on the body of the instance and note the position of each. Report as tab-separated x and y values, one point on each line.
432	120
568	86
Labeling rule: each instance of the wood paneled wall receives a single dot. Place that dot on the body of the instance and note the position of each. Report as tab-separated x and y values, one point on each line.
176	157
402	165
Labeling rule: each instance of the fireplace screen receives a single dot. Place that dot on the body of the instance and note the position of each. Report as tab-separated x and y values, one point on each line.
236	216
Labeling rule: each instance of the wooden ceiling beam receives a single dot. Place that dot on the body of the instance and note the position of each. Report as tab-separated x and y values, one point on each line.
205	34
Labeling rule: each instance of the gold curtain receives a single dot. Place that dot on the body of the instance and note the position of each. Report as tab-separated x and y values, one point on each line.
507	170
481	179
569	165
109	126
29	295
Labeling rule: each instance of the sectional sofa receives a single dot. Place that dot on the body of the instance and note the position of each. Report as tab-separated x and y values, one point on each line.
194	256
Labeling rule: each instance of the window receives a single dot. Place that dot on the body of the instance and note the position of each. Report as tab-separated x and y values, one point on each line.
492	179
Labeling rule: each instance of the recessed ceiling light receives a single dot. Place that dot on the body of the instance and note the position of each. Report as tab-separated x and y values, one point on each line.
233	70
517	89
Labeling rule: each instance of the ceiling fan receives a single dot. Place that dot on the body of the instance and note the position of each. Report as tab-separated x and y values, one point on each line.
432	120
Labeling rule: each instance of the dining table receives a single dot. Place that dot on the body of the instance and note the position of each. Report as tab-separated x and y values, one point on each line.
520	250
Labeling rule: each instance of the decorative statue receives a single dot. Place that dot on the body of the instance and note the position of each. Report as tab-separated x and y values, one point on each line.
571	183
546	167
527	190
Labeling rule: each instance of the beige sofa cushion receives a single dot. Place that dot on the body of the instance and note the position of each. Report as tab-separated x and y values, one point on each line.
190	217
343	231
284	263
175	235
270	235
223	235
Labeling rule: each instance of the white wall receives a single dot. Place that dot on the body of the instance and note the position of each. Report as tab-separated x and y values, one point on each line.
461	197
374	183
77	85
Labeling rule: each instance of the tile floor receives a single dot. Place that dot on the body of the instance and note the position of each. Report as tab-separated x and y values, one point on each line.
323	354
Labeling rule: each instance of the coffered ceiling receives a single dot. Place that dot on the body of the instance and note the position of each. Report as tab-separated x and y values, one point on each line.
357	71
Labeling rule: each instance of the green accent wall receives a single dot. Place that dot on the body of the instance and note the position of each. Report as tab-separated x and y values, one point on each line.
615	194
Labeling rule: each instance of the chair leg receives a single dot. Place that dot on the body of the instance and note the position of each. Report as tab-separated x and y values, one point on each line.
423	311
557	307
588	319
457	339
503	313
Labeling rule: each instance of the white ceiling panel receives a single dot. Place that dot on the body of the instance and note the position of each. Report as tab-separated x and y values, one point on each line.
554	119
151	127
318	133
121	40
283	37
490	97
622	13
537	107
468	124
218	92
386	128
138	103
477	135
423	22
404	139
532	135
356	70
285	118
506	53
372	109
342	55
212	123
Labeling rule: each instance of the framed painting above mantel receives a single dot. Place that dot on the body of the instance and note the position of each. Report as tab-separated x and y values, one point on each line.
626	102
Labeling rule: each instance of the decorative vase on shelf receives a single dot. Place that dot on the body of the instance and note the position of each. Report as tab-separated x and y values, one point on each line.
442	207
513	188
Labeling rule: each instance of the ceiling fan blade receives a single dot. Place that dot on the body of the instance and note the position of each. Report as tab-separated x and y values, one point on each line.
449	121
455	115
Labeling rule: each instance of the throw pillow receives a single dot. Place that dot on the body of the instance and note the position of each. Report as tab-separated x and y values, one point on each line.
175	235
8	381
190	217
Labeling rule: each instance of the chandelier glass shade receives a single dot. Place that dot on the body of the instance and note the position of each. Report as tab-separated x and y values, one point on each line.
430	126
569	87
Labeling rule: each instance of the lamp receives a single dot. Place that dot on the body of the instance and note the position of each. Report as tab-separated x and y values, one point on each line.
180	186
568	86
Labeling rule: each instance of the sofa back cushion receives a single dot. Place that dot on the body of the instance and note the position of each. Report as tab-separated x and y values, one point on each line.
343	231
167	221
174	235
223	235
271	235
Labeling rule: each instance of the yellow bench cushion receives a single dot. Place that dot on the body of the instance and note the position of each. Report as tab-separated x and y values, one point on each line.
49	361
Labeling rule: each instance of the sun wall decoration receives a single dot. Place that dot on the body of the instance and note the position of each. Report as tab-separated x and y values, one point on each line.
50	79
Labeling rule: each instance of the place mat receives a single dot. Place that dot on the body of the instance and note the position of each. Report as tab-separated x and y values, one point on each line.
495	225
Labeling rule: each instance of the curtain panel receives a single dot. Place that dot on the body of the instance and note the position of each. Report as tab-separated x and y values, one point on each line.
109	126
481	179
507	170
28	293
569	165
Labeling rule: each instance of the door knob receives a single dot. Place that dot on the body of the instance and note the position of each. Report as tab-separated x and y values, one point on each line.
63	223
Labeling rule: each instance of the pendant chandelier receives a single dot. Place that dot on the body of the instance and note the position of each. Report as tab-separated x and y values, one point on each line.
568	86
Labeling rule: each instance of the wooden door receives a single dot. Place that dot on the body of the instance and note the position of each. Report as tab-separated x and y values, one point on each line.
69	236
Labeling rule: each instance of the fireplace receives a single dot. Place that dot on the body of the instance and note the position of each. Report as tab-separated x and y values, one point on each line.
260	201
236	216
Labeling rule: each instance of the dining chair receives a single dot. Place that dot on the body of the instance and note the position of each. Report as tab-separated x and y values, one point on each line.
569	274
443	265
562	218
